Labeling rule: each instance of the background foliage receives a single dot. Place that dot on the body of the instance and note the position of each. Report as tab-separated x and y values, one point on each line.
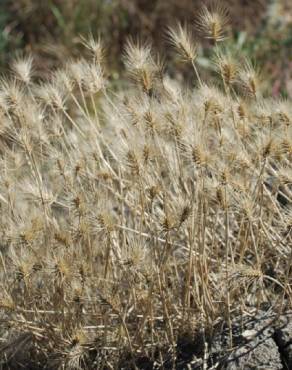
52	29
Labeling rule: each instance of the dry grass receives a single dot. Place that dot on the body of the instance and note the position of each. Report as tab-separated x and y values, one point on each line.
130	220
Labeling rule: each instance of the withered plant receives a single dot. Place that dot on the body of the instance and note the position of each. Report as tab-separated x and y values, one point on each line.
133	218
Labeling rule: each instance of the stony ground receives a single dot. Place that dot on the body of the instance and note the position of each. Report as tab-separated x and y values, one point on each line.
260	341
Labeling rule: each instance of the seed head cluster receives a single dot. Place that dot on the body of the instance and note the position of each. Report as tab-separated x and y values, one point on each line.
130	215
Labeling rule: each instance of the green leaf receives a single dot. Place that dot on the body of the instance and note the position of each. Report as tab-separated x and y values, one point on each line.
59	17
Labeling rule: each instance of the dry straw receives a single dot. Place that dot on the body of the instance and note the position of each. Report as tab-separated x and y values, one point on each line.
133	218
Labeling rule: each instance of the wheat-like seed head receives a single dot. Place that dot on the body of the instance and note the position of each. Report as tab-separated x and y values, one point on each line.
62	270
6	301
23	69
52	96
227	67
63	238
96	48
106	222
212	23
182	39
200	156
244	276
13	95
94	80
242	110
62	80
141	64
212	100
285	146
248	80
267	147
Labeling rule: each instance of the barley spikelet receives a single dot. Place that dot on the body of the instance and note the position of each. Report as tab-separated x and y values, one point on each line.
212	23
182	39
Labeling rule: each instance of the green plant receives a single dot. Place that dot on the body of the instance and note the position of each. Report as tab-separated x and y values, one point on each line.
8	41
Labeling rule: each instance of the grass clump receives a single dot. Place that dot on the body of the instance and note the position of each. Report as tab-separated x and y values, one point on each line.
133	220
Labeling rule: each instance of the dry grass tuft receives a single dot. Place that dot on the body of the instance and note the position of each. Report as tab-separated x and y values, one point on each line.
130	219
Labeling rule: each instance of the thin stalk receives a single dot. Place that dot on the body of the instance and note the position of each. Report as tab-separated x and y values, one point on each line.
197	73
